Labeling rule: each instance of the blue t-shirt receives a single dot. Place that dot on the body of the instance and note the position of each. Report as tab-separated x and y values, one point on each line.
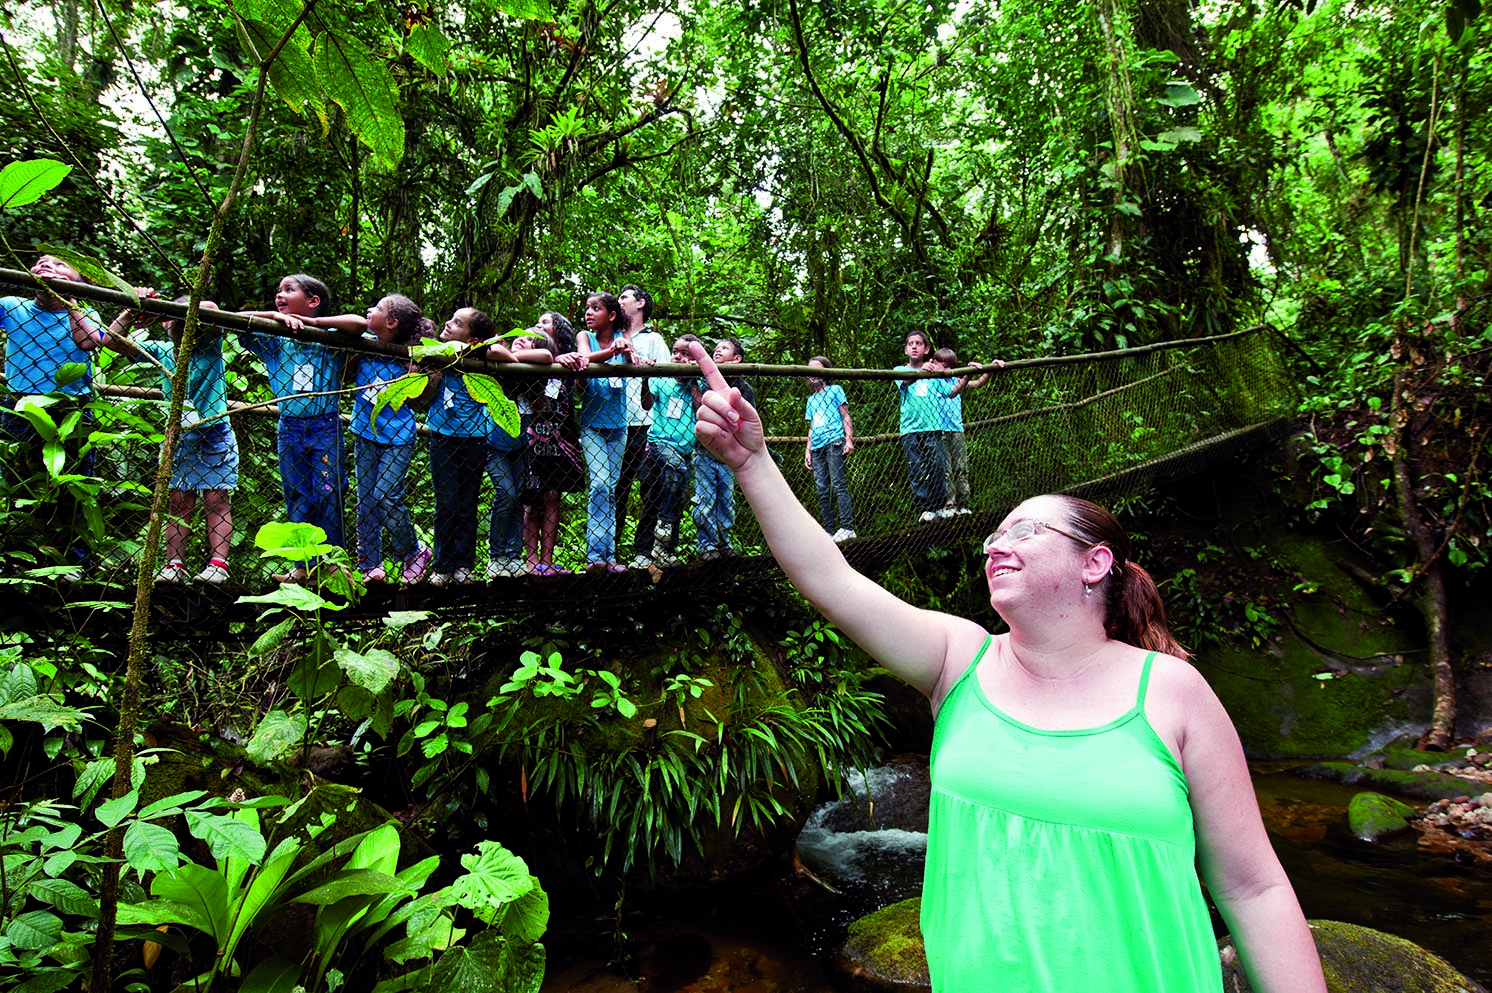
673	414
603	402
206	392
826	426
393	427
921	403
953	408
454	413
298	367
40	342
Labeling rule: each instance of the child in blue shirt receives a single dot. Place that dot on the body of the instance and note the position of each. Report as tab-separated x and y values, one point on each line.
831	439
666	462
955	452
922	431
305	376
205	459
507	458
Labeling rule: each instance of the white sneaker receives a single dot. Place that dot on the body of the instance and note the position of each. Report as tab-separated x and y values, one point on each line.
963	510
217	575
171	572
844	534
461	576
439	579
946	512
504	566
710	554
665	559
663	534
642	561
928	515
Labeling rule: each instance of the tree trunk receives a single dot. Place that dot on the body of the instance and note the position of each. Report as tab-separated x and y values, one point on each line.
1431	600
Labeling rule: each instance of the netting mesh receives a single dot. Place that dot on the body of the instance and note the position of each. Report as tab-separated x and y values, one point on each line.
473	507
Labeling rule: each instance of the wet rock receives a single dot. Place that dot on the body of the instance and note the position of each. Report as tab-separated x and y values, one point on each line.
1426	784
894	796
884	950
1375	817
1361	960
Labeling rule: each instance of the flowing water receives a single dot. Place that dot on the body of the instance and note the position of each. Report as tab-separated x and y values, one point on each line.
775	931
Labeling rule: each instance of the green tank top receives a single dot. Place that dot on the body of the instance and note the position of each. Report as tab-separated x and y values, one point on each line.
1060	860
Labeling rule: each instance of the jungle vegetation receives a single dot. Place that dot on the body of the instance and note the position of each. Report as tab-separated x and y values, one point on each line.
1023	178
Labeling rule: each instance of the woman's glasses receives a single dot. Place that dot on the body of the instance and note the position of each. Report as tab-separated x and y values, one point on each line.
1022	530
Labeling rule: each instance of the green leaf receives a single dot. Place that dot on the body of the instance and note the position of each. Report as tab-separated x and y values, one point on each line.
488	392
399	392
164	804
276	974
431	348
92	270
354	702
398	619
527	917
360	83
1179	93
427	46
293	540
372	670
271	639
276	734
490	964
150	847
314	678
111	812
533	10
25	181
291	73
227	836
202	891
355	882
45	711
295	596
36	931
505	198
66	896
495	877
531	180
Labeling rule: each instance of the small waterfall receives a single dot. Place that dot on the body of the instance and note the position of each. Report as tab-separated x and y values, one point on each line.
873	840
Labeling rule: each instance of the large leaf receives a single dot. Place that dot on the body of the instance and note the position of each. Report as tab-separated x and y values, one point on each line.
44	711
201	889
295	540
276	974
398	392
293	595
291	73
265	887
533	10
527	917
112	811
227	836
276	734
26	181
490	964
66	896
93	270
428	47
150	848
314	678
488	392
354	882
494	878
35	931
372	670
362	86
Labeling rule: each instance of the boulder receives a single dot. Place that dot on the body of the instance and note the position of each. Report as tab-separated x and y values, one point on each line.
884	952
1361	960
1375	817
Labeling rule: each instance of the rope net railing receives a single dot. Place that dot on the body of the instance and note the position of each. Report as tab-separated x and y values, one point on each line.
443	501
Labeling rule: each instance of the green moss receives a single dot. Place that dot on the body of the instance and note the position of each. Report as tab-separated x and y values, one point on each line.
1423	785
1360	960
885	950
1373	816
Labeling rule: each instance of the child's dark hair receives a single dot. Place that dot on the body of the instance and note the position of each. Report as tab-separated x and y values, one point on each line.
735	346
561	334
611	303
644	297
686	339
481	327
926	341
407	315
312	286
946	356
823	360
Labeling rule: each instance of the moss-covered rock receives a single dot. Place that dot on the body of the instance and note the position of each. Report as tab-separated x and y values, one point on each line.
1375	817
1425	785
884	950
1361	960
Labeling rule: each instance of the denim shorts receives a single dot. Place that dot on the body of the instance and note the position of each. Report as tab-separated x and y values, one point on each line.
206	459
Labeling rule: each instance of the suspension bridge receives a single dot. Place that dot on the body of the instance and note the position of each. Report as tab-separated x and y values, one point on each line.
1098	424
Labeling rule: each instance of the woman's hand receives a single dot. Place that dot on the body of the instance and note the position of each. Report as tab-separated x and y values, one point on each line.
727	425
573	361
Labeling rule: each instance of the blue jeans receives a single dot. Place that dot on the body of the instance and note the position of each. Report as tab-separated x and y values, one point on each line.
381	471
603	448
507	470
665	474
714	503
832	480
924	453
311	472
456	466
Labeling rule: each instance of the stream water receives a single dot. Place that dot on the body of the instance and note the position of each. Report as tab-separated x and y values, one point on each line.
775	931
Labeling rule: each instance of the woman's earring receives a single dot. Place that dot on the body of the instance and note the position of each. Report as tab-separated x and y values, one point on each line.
1087	592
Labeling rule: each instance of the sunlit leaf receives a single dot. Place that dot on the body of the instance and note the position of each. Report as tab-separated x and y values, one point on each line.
27	181
360	83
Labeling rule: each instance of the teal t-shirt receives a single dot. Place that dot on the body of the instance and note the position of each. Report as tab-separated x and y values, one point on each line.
673	414
38	343
825	425
206	393
603	402
953	408
298	367
454	413
921	403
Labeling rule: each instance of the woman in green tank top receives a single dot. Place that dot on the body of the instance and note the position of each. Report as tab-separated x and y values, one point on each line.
1081	768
